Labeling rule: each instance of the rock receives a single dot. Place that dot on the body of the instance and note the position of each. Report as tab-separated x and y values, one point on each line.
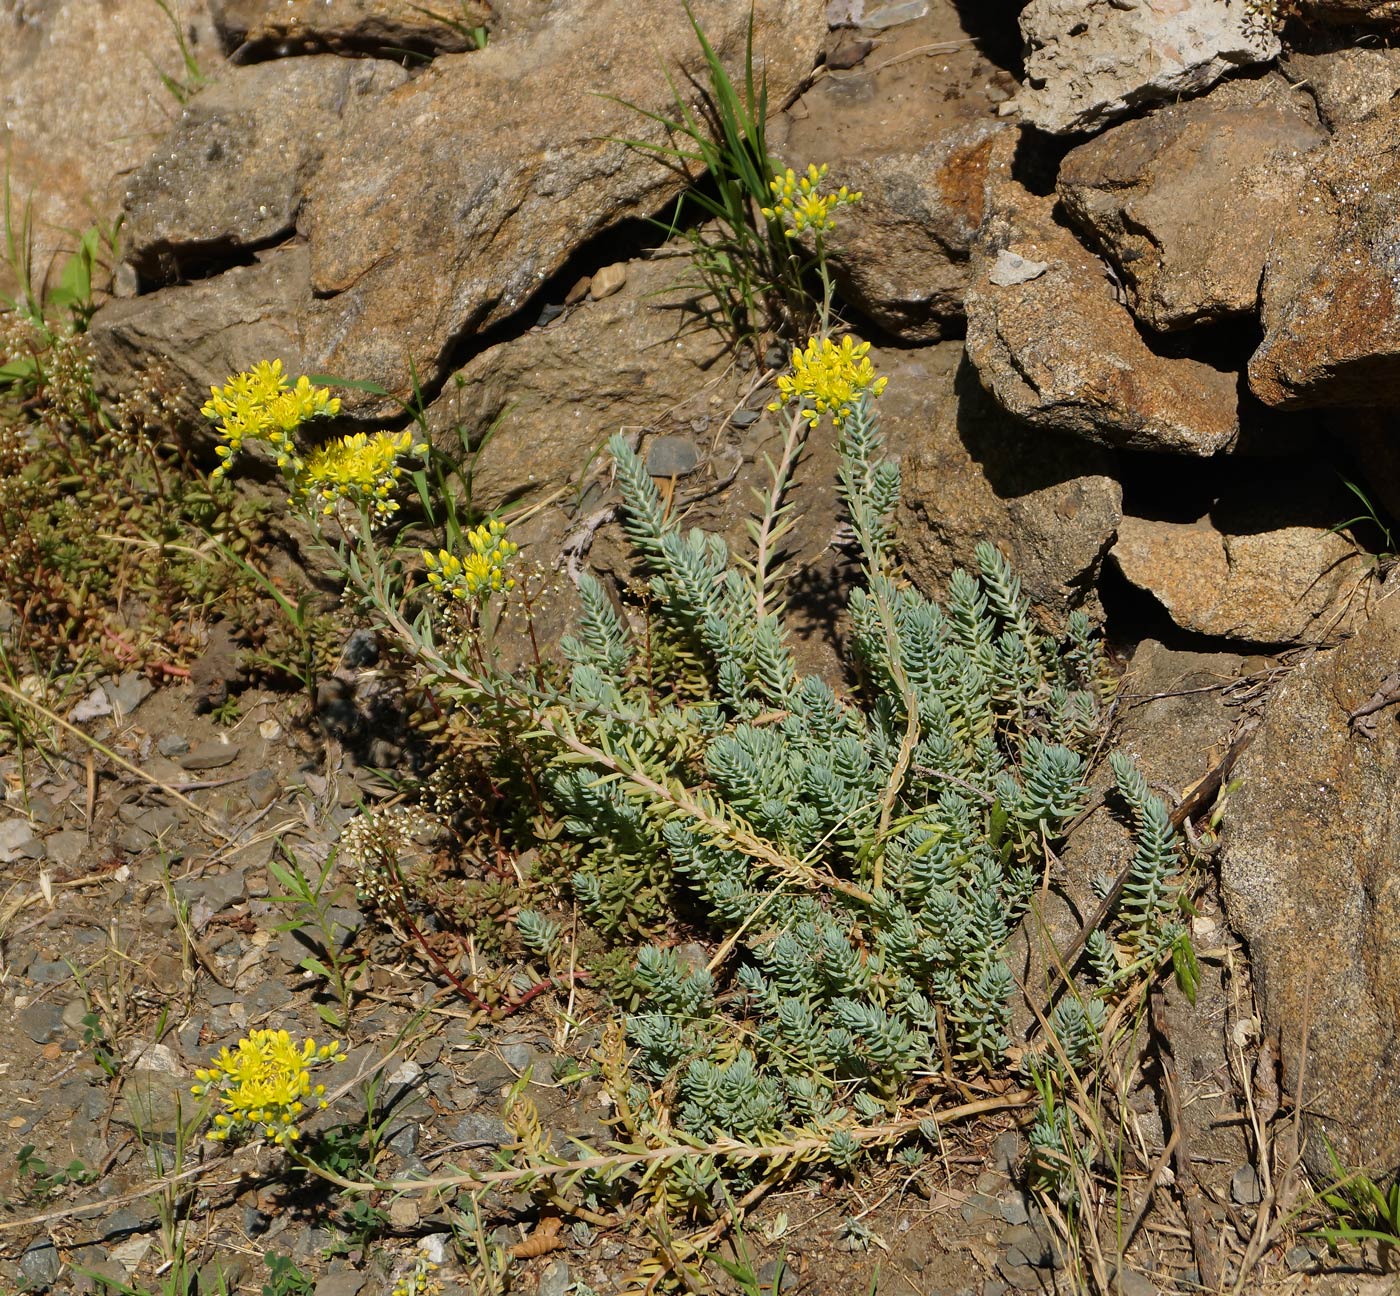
1088	64
1188	201
94	706
1331	309
344	1282
1063	353
66	846
1311	836
555	1279
1009	269
18	842
970	473
82	105
1260	567
154	1103
39	1266
672	456
172	745
900	255
193	336
42	1022
128	692
252	29
471	185
555	395
607	281
210	755
1245	1188
233	172
1347	83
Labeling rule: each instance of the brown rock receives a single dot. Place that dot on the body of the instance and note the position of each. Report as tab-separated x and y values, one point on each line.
1331	314
82	106
559	392
900	255
233	172
1062	352
1252	569
970	474
1308	871
1188	201
258	28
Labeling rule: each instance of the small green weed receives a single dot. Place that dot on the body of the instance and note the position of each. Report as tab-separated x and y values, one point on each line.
284	1278
1362	1210
310	904
183	88
1388	551
40	1183
747	259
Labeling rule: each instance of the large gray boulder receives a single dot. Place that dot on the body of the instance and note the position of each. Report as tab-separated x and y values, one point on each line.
1088	64
1311	883
1188	201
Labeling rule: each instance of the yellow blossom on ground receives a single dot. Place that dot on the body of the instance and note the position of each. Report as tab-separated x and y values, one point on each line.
479	572
359	469
799	204
264	1085
261	404
418	1281
829	378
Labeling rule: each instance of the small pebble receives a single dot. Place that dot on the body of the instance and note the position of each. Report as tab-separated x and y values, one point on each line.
608	280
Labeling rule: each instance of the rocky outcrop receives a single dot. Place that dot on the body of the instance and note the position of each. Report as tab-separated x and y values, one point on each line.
1347	83
1309	877
971	473
900	257
1089	64
82	106
1188	201
1331	304
550	398
1054	345
188	339
445	209
1252	570
253	29
233	173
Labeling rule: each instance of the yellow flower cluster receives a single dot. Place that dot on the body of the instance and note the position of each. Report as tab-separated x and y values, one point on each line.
829	378
263	405
265	1084
419	1280
478	574
361	470
799	204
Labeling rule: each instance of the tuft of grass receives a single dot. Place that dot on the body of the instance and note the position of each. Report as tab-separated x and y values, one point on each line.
744	261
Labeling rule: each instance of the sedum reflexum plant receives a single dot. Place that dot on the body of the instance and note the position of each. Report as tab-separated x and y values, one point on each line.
858	861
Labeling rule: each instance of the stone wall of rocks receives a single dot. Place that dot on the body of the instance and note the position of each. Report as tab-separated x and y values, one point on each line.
1138	292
